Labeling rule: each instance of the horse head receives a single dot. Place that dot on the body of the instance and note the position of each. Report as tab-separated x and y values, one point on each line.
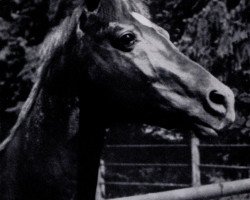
143	74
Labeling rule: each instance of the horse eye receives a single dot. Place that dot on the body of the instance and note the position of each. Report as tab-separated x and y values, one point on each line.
124	42
127	39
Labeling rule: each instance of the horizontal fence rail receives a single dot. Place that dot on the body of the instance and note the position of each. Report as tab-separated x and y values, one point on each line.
210	166
178	146
175	185
148	146
224	145
146	165
198	193
234	167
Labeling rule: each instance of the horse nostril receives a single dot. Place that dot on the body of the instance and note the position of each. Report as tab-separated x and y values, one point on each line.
217	97
217	101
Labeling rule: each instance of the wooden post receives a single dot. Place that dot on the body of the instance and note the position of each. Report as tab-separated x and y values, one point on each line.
100	189
195	157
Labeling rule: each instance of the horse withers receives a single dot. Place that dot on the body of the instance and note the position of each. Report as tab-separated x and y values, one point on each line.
106	63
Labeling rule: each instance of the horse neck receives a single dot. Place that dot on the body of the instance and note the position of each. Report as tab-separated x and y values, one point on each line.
56	113
53	119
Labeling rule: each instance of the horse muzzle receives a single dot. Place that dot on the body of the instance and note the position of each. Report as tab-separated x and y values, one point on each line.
220	105
209	107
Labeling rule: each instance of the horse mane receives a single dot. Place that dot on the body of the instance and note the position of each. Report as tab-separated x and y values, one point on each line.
53	43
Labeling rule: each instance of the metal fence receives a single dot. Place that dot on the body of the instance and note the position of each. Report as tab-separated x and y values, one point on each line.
203	192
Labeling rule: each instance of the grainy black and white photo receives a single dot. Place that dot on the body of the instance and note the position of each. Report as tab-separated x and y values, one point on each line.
124	99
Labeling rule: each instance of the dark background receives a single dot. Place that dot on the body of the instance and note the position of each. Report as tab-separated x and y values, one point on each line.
215	33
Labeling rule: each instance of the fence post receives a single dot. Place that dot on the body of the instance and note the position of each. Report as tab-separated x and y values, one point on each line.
195	159
100	189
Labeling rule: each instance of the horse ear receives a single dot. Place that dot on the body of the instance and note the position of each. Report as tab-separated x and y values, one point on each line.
89	6
92	5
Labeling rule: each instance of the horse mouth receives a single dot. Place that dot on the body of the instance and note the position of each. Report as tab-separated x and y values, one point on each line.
205	130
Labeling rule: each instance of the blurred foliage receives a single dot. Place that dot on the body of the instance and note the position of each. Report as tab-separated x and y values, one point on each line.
170	14
218	37
23	26
216	34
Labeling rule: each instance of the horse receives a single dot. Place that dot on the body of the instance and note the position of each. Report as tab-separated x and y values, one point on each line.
105	63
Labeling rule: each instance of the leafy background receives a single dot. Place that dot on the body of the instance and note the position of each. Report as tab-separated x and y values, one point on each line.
215	33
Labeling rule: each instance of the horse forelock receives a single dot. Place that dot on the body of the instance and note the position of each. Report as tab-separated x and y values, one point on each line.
59	35
117	10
